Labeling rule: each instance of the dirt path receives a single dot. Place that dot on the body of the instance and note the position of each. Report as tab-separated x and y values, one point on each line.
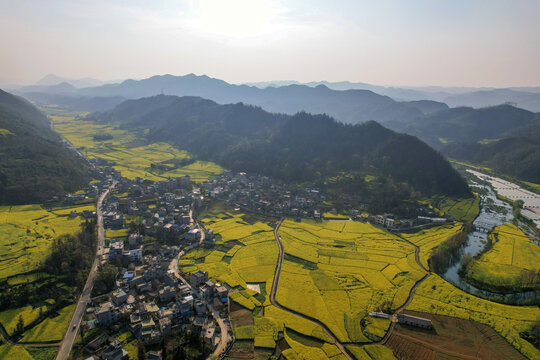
274	302
411	292
5	338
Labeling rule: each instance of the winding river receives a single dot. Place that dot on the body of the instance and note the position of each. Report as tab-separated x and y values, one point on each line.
493	212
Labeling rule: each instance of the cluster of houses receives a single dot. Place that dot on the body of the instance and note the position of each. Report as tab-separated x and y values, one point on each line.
150	301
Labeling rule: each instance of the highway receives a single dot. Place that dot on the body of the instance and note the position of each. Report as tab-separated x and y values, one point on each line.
84	298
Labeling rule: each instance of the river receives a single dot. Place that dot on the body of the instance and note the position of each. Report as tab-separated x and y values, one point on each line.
493	212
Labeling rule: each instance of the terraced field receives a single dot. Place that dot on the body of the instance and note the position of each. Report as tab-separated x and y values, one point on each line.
343	270
130	154
513	263
461	209
336	271
26	233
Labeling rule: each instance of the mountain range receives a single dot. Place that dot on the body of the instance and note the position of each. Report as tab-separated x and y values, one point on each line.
298	148
34	165
432	121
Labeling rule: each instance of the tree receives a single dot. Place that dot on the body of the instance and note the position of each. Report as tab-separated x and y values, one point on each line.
20	325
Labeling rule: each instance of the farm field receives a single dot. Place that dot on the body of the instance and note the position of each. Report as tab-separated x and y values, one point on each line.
452	338
338	270
10	317
27	353
465	210
50	329
436	296
14	352
343	270
130	154
26	233
429	239
512	263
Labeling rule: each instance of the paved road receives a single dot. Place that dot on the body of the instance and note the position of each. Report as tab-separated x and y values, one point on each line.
84	299
224	339
274	302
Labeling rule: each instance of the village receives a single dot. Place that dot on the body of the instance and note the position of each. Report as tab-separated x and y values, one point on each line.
150	298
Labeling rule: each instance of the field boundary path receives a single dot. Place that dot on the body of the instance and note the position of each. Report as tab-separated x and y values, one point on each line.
411	292
84	298
7	340
274	302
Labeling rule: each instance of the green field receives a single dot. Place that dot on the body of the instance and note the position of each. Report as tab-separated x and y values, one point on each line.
26	233
129	153
508	263
50	329
14	352
9	318
465	210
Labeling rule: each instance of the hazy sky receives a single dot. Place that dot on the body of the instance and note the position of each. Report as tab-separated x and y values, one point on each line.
400	42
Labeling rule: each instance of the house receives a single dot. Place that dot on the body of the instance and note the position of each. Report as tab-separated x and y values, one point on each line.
193	235
200	307
222	293
165	326
114	351
198	278
135	240
167	294
185	305
107	314
116	250
414	321
119	296
144	287
206	292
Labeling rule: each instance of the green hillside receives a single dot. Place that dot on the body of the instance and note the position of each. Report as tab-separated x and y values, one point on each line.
34	165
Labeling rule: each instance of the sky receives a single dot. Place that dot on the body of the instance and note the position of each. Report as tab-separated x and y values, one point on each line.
493	43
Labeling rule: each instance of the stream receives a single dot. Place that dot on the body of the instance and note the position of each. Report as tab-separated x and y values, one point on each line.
493	212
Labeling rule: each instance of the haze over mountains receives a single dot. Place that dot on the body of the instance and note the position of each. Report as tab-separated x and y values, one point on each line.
438	123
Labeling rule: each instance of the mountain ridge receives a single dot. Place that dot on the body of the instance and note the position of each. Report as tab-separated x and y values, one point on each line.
298	148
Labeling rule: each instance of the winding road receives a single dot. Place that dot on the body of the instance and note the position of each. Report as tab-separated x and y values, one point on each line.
274	302
84	298
340	345
224	338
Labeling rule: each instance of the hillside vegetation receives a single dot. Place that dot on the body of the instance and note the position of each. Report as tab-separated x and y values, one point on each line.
295	148
516	154
34	166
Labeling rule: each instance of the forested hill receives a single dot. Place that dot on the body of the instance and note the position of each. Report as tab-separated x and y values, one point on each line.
516	153
34	166
467	124
299	148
